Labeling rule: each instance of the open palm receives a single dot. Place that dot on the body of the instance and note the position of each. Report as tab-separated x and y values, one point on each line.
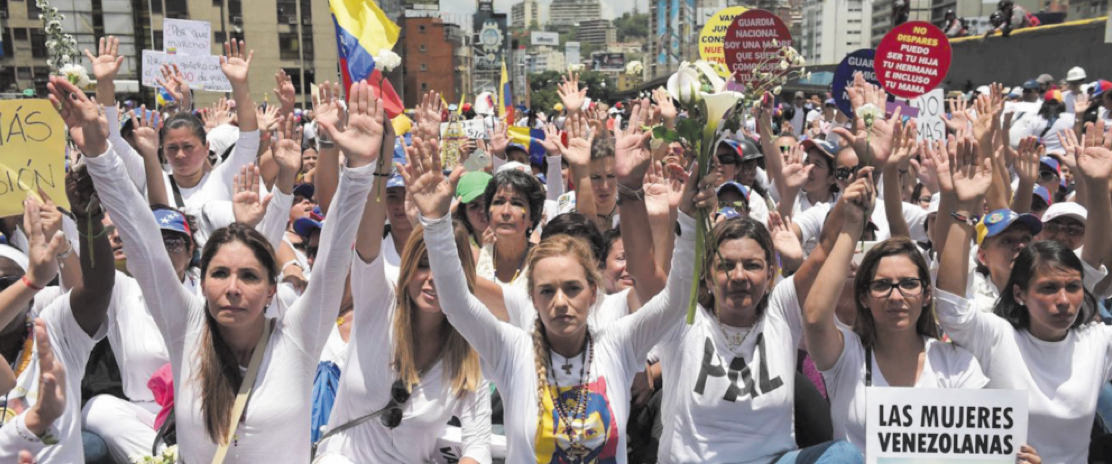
361	141
237	61
424	179
287	150
327	105
1095	160
970	173
107	62
247	206
632	155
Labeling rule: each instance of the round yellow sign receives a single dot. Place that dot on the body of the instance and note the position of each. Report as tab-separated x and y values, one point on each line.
714	34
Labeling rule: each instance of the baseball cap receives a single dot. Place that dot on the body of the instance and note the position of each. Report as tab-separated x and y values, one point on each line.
998	221
306	225
1054	94
827	148
743	190
1043	193
1066	209
472	185
1051	163
304	190
1015	91
1101	87
1031	84
395	180
831	102
984	90
172	221
512	165
1075	74
1045	79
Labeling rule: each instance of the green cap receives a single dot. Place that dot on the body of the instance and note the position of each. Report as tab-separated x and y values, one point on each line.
29	93
472	185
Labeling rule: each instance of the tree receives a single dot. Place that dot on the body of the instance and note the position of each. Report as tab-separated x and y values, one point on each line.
631	26
544	84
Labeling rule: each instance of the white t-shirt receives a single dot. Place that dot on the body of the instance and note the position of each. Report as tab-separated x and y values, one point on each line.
216	184
1063	379
811	221
945	366
273	428
732	407
392	257
485	268
509	360
1036	127
985	293
335	349
1024	112
522	314
135	339
367	379
71	347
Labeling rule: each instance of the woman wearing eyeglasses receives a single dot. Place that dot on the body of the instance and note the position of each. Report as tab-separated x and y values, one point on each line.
409	371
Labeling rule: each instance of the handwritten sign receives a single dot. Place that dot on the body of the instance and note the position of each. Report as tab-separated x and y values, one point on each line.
713	37
202	72
32	154
749	42
184	37
931	105
913	59
858	61
944	425
473	129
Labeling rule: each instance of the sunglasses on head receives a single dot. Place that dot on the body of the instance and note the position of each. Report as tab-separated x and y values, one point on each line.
399	394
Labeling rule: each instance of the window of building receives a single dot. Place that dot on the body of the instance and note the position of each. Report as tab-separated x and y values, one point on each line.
288	46
424	86
38	43
177	9
23	73
20	33
158	40
421	28
7	79
424	67
295	78
8	50
422	49
287	9
33	10
307	44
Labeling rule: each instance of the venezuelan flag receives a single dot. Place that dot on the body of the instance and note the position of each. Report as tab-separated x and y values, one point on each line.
531	139
505	97
162	97
362	30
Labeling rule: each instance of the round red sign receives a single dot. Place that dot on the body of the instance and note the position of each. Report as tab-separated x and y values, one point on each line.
912	59
749	43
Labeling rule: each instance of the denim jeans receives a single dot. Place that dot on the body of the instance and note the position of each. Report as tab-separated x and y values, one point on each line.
96	450
831	452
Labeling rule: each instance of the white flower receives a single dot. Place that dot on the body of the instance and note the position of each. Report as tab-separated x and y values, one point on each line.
868	114
634	68
784	64
171	454
684	86
76	74
798	61
575	68
776	90
775	43
387	60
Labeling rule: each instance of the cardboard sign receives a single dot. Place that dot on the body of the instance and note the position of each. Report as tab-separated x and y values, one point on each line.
713	37
184	37
926	425
749	42
858	61
201	72
930	123
473	129
32	154
913	59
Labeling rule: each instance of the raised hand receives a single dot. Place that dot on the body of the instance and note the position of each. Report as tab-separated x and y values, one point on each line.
327	107
570	93
936	152
52	387
1095	161
174	82
666	105
82	195
658	192
236	62
362	140
84	117
699	194
1081	103
859	200
982	122
631	148
783	239
43	251
551	141
247	206
958	119
108	60
499	138
795	171
871	144
1027	161
221	112
51	216
268	118
429	115
284	90
146	133
581	136
424	179
287	148
903	144
970	172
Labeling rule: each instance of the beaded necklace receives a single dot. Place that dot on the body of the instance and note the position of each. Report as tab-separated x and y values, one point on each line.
581	394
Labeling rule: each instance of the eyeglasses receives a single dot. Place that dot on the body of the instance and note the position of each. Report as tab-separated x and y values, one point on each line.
174	244
1074	230
909	287
113	237
399	394
845	173
1047	176
728	159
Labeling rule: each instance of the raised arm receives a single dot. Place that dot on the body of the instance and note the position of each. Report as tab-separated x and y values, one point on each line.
105	67
91	295
1094	163
330	111
792	177
1027	167
632	162
824	340
368	243
578	153
235	63
174	82
774	161
873	144
554	177
286	93
41	267
49	408
903	146
571	94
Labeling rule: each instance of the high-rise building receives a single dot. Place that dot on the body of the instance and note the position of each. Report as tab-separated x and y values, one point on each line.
527	13
884	15
673	36
431	48
572	12
831	29
598	32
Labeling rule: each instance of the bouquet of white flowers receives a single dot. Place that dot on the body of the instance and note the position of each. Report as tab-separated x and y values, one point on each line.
64	58
168	456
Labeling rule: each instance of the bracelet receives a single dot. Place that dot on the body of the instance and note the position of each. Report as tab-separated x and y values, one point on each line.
30	285
103	230
969	220
382	174
626	193
66	254
325	143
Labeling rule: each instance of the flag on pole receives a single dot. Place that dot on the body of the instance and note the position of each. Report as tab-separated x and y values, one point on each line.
362	29
530	139
163	97
505	97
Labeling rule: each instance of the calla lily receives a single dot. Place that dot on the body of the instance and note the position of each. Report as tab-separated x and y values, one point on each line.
718	104
716	82
684	85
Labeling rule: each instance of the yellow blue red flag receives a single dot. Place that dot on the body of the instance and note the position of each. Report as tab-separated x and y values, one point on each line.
505	97
363	31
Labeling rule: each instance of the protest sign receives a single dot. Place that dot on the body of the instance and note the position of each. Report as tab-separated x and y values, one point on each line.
749	43
185	37
32	154
474	129
926	425
858	61
931	105
912	59
712	38
201	72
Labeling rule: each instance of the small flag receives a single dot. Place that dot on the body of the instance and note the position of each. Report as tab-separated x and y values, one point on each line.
530	139
505	97
362	29
163	97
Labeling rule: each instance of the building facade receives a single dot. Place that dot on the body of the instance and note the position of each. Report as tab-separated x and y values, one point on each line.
572	12
431	61
598	32
884	14
831	29
527	13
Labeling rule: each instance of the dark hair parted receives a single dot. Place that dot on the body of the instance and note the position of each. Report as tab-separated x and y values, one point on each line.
1041	255
577	225
218	372
865	326
742	227
520	182
187	120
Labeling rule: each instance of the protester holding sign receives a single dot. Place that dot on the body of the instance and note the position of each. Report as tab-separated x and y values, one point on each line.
1042	333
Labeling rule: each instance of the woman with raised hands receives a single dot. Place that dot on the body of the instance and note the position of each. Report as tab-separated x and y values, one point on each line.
409	371
1042	338
24	434
566	387
212	338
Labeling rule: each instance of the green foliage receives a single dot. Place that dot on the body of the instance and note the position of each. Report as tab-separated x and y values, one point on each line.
544	86
632	26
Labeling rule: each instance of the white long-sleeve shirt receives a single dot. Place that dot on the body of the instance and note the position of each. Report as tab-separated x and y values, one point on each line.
369	375
273	428
508	357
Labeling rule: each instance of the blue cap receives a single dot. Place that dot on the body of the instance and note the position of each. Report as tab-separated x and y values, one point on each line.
827	148
1043	193
396	180
1031	84
729	212
304	190
517	146
998	221
743	190
1052	163
173	221
305	226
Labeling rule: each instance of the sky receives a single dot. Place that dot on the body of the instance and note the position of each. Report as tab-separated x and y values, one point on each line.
610	8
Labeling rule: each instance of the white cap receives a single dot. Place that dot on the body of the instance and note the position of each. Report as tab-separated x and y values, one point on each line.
1066	209
1016	91
984	90
1075	74
933	206
514	165
220	138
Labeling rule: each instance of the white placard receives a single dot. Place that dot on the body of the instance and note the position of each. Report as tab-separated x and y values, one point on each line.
201	72
927	425
931	105
545	38
185	37
474	129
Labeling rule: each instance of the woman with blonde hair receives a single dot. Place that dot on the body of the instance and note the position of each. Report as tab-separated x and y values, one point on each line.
565	386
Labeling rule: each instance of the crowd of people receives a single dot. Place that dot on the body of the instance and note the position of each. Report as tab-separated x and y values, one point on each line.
261	283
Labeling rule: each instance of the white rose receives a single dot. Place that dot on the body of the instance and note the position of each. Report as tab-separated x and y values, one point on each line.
76	74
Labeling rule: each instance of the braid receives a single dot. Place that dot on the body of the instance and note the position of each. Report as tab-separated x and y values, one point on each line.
540	359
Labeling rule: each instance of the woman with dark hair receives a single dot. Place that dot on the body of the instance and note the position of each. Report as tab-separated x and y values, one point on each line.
472	211
213	337
515	204
1044	340
1051	119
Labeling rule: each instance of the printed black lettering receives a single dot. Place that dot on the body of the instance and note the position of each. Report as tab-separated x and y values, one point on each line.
885	441
907	422
42	180
709	368
995	447
13	129
767	385
932	446
1008	448
929	417
733	391
1008	423
982	418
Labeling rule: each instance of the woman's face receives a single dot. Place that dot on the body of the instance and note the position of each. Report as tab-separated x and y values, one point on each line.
562	295
924	198
674	155
999	252
114	239
236	286
1065	230
821	178
476	215
604	183
301	208
742	275
184	151
727	171
309	160
1053	299
509	213
180	249
395	208
615	275
421	289
899	310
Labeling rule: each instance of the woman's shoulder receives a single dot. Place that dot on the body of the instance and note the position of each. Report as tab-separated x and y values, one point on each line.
949	359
